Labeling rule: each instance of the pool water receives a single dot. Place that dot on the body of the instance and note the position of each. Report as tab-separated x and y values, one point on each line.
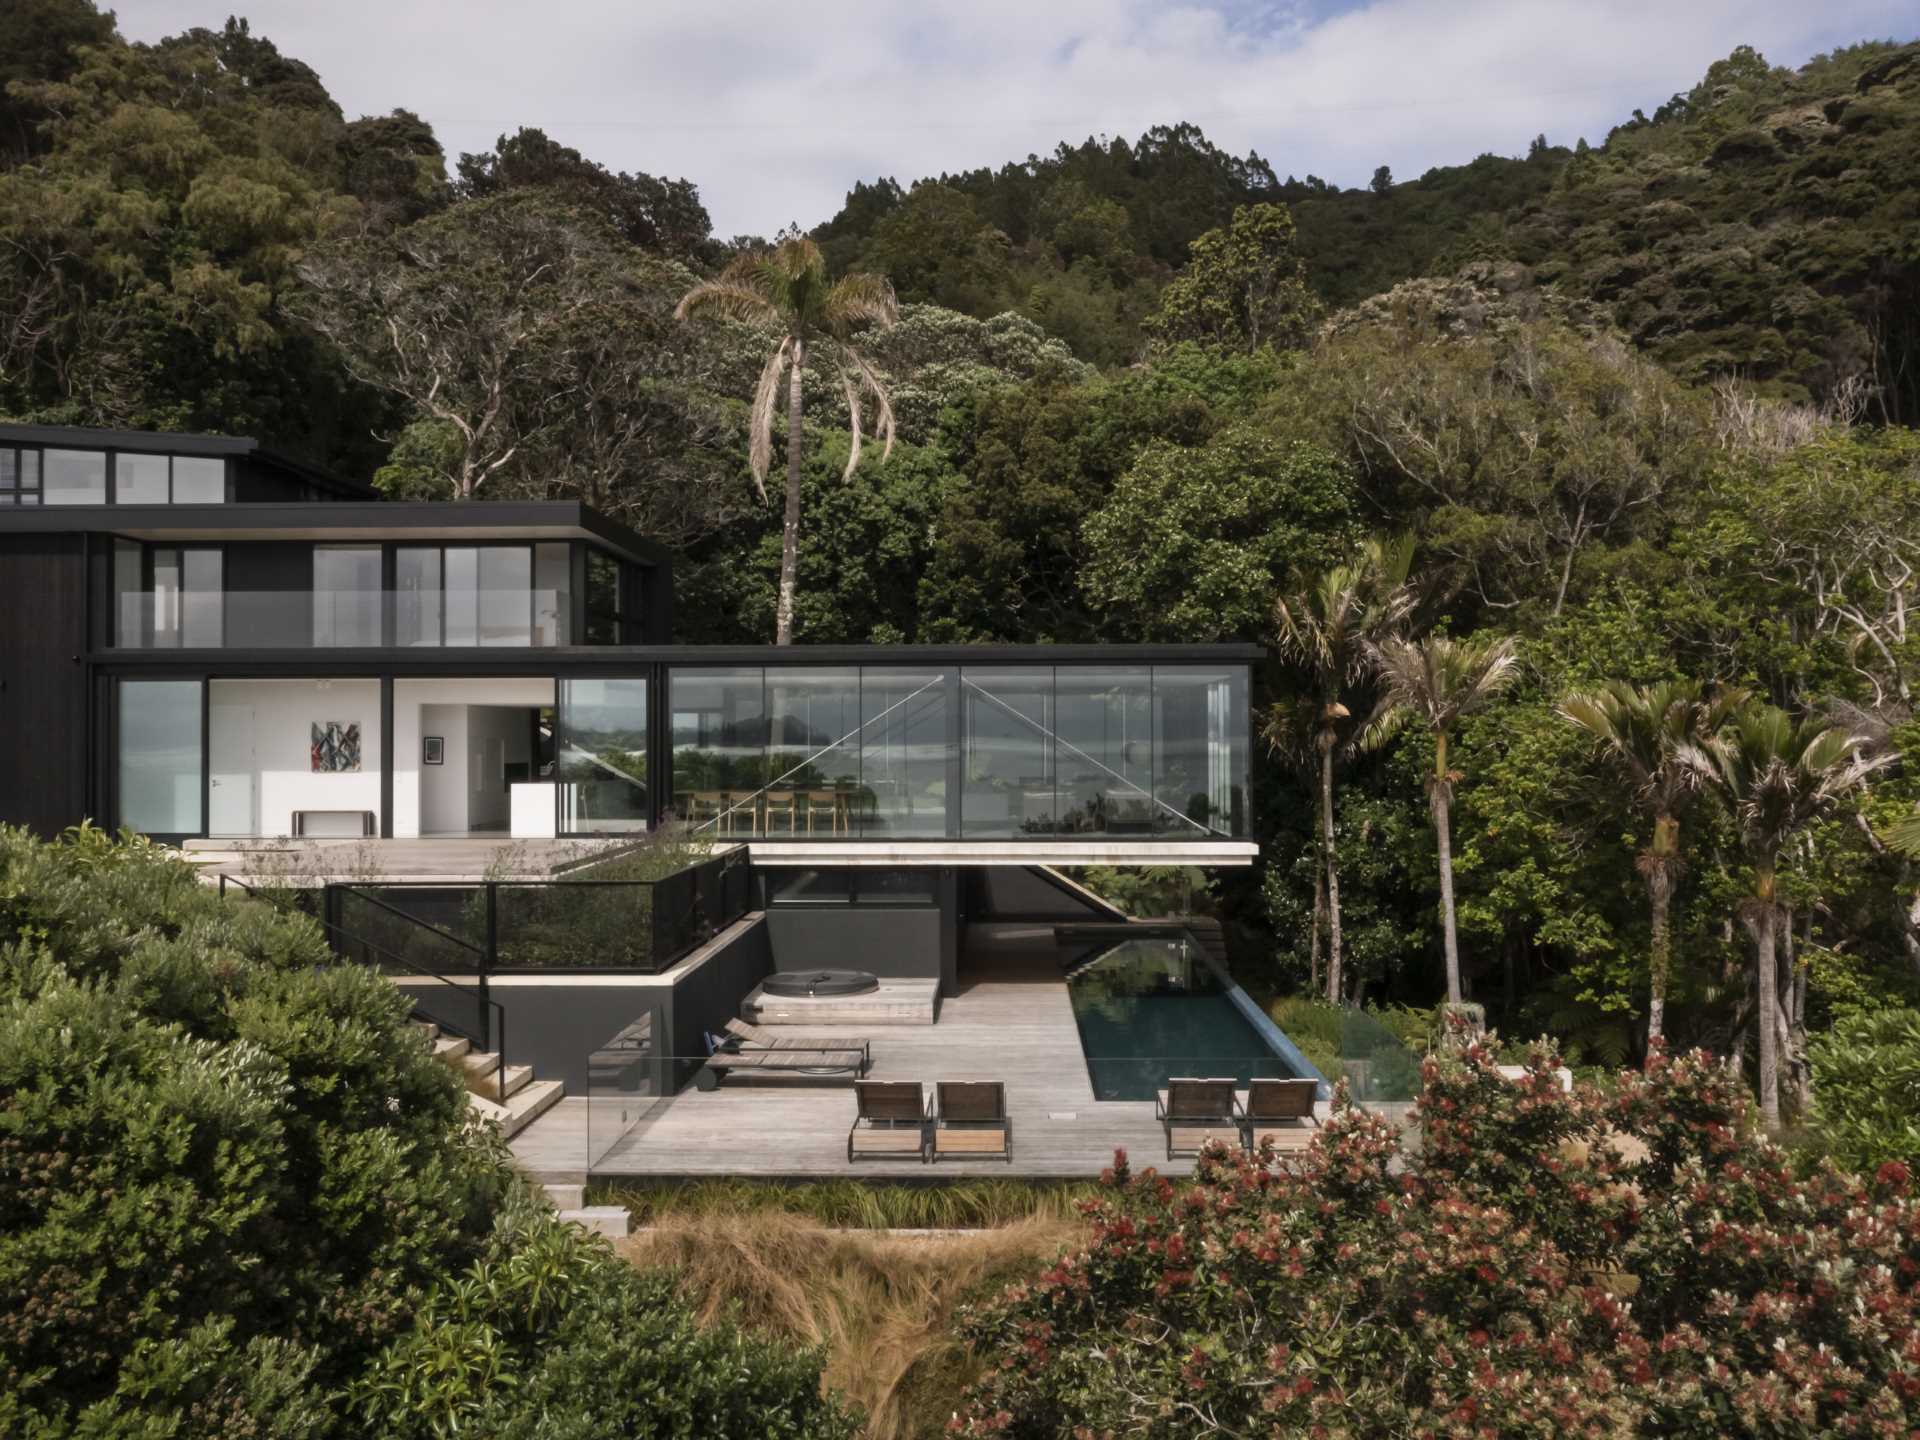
1154	1007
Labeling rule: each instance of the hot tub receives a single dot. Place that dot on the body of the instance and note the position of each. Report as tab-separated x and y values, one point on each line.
793	983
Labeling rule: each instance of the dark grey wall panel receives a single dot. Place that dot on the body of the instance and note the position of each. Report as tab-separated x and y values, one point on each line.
43	684
557	1028
706	998
890	942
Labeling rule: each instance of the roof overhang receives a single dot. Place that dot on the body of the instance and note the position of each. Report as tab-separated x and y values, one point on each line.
896	854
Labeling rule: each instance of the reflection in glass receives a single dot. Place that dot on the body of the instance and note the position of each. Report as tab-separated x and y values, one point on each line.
506	595
1200	750
416	579
719	734
1103	751
813	756
140	479
202	601
74	477
602	741
903	752
346	595
1008	785
808	887
199	481
159	761
462	595
552	586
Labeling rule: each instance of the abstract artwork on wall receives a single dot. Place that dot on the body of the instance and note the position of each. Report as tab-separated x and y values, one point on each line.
336	746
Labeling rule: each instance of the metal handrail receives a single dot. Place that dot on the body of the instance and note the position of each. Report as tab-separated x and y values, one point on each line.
493	1013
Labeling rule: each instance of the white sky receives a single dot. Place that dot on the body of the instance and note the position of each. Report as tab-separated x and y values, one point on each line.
774	110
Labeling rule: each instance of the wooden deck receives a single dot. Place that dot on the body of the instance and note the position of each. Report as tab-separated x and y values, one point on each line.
1011	1022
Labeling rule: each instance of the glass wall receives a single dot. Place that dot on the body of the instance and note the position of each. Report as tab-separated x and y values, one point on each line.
1103	751
904	747
601	734
346	595
719	736
168	596
977	752
140	480
1200	750
1007	751
159	759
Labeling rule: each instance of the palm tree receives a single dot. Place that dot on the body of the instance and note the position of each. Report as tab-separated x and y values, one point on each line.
1324	627
1658	738
786	287
1435	681
1780	775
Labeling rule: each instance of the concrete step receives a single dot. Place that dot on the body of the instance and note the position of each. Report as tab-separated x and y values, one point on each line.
450	1048
427	1028
522	1108
480	1077
566	1197
611	1221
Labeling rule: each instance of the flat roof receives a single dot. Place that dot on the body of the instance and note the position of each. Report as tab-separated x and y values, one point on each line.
168	442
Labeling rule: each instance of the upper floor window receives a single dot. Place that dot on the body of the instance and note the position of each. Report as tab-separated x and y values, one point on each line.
96	477
19	477
73	477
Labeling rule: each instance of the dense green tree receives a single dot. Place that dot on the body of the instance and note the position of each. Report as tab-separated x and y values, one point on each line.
38	44
1780	775
786	288
1660	739
660	215
1434	683
1244	286
1195	542
1323	628
240	1196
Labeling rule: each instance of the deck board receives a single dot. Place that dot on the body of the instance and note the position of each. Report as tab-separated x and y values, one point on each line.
1011	1021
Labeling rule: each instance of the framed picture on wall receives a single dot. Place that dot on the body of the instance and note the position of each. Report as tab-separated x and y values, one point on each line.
433	750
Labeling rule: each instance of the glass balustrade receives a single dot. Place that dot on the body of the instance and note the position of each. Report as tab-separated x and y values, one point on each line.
186	617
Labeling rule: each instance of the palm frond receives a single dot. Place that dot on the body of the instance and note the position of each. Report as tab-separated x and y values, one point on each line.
883	423
733	297
847	383
859	299
766	396
1904	835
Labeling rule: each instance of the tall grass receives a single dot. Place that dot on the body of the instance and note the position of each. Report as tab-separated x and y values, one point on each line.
882	1306
851	1204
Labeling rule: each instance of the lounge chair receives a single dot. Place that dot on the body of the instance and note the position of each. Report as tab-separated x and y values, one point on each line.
1280	1111
730	1056
1196	1112
758	1037
889	1121
971	1120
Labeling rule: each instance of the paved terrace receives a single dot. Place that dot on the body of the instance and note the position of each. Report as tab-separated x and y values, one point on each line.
1011	1022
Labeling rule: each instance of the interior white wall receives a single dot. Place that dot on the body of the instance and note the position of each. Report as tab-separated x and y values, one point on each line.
443	787
284	712
496	737
409	698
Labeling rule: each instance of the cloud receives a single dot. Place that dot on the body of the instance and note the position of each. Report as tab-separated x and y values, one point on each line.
774	112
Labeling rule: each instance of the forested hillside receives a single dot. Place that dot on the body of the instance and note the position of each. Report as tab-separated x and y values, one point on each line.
1641	404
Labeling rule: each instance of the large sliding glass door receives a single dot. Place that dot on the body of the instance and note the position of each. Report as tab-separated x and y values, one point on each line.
600	733
160	768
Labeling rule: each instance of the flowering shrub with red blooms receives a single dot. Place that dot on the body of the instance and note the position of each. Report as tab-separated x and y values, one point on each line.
1634	1262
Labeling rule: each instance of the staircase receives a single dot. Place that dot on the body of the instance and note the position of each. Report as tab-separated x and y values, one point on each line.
512	1098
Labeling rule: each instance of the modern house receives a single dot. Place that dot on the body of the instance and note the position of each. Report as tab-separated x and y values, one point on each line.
203	639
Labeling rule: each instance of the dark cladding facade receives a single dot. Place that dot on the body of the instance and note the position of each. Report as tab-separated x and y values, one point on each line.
201	638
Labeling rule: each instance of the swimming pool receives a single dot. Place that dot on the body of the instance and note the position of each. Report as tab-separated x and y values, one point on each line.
1150	1007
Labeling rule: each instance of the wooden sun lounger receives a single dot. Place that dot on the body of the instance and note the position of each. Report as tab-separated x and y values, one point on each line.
1197	1112
758	1037
1279	1112
971	1120
795	1062
889	1121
